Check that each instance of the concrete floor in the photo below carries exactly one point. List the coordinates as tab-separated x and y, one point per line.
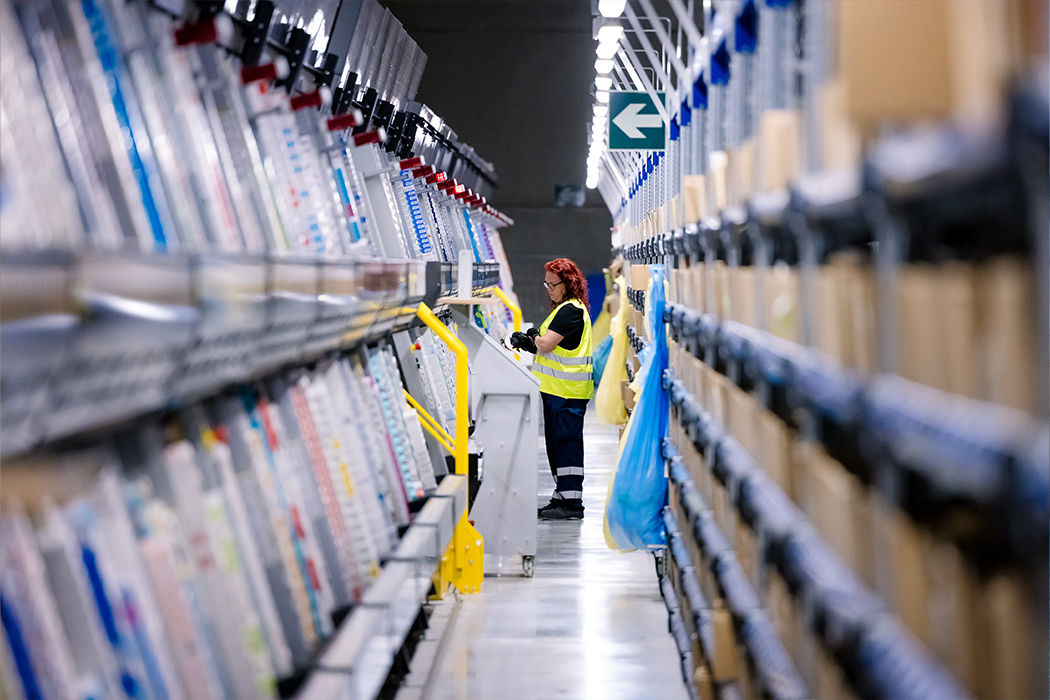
590	624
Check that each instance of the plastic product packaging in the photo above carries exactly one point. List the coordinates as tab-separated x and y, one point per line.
608	398
639	490
601	357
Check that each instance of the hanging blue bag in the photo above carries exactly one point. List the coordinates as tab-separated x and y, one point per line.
639	491
601	356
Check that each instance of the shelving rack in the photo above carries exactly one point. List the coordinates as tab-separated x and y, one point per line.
879	466
219	219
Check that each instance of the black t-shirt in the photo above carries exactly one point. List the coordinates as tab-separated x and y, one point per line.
568	323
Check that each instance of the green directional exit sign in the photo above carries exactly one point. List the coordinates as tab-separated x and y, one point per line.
635	123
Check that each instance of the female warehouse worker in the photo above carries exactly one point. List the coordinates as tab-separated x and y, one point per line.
563	364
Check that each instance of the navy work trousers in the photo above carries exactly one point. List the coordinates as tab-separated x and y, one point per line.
563	432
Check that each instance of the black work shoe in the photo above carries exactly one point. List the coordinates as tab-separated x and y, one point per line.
550	506
554	512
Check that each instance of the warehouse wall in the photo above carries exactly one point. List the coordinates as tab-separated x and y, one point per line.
512	78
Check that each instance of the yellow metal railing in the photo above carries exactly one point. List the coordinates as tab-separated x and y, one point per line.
460	351
431	425
515	311
463	563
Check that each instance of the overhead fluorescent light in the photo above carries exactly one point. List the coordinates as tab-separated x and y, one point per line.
610	34
611	8
607	50
603	66
603	82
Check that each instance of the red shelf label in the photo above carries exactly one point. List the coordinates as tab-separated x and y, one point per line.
369	137
343	121
197	33
267	71
304	100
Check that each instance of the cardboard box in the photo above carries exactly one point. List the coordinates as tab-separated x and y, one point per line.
698	287
718	388
628	395
838	507
1007	334
913	62
801	475
722	509
805	647
717	164
775	453
862	348
742	415
743	286
744	682
909	547
781	285
952	608
920	355
695	198
862	517
1012	661
639	277
723	665
937	332
749	554
708	585
778	602
700	471
703	393
780	149
840	138
831	331
729	285
741	172
957	291
882	548
723	303
702	681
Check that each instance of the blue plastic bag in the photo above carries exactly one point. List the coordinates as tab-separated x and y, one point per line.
639	489
601	356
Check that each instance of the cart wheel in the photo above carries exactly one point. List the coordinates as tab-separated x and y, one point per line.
528	565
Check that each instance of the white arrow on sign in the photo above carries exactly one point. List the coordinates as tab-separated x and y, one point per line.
629	121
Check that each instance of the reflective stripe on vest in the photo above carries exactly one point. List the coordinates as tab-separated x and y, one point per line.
567	376
567	373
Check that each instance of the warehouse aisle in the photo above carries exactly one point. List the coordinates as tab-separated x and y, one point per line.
591	624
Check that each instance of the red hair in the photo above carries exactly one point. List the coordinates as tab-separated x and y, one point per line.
575	284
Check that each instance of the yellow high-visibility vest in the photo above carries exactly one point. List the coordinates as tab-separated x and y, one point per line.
567	373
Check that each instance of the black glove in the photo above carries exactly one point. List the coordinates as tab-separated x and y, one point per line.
521	341
533	333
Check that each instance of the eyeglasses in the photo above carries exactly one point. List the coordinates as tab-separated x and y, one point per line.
550	286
